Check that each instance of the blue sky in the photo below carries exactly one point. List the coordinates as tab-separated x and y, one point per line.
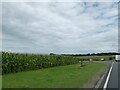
59	27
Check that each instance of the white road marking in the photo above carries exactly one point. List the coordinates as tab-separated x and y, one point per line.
105	85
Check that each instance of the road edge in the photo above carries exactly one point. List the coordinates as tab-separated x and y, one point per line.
101	82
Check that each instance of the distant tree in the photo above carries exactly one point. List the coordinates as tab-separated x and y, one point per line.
88	54
52	54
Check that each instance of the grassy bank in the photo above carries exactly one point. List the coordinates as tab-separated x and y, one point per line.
0	82
70	76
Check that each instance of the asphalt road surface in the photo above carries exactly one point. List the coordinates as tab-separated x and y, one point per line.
113	77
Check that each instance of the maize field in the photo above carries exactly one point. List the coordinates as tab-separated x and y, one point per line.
16	62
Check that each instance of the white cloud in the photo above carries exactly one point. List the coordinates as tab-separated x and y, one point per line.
59	27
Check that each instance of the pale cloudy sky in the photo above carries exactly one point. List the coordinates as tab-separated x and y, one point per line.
60	27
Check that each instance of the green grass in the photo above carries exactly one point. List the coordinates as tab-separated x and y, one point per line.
0	82
70	76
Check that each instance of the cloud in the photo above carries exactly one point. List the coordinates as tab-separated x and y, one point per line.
74	27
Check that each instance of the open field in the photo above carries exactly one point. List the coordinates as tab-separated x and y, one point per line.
48	71
16	62
69	76
98	58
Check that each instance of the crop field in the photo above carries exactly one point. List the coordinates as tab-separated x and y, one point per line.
48	71
16	62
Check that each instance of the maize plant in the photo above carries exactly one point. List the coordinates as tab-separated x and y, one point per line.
16	62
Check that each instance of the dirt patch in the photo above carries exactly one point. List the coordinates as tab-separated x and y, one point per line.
93	81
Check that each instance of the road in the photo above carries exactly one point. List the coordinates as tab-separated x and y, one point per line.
112	79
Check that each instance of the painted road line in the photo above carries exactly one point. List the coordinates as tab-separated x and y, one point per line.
105	85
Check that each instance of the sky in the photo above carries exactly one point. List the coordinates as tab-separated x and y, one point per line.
59	27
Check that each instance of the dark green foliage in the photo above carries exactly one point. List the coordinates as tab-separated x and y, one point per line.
14	62
111	58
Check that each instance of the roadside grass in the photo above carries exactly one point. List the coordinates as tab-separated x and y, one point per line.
0	82
70	76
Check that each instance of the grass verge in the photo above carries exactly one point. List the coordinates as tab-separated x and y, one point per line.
70	76
0	82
